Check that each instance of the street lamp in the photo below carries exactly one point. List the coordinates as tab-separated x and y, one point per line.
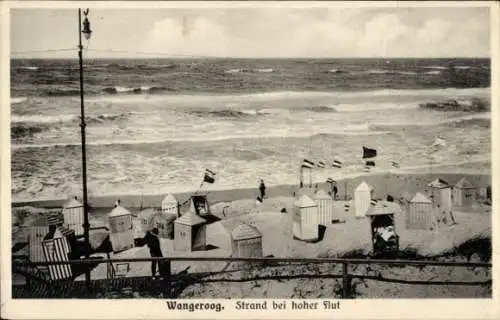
86	226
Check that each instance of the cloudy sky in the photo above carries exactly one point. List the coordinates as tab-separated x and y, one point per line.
258	32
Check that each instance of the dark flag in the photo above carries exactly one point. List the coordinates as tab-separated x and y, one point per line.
330	180
369	153
395	164
209	176
308	164
373	202
321	164
370	163
337	164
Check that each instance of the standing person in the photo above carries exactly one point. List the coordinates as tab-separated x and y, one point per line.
153	243
262	189
335	191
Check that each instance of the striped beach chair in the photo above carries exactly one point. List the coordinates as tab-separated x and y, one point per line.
56	247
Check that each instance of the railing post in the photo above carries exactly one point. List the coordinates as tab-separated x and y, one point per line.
346	282
166	274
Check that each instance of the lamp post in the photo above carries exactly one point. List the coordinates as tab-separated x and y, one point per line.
86	226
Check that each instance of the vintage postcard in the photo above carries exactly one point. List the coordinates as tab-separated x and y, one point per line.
249	159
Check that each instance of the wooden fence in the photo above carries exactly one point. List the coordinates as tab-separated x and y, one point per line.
64	289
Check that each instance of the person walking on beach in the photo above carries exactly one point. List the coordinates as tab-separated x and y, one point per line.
153	243
262	189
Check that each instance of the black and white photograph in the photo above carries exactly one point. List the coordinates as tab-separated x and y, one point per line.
323	153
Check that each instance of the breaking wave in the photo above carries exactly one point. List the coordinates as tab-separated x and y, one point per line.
318	109
379	71
265	70
227	113
42	119
16	100
232	71
435	67
29	68
482	120
351	130
25	119
142	89
337	71
24	130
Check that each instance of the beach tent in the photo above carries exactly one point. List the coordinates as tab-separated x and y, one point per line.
73	215
144	218
38	231
464	193
170	205
441	194
420	213
246	241
362	198
189	232
55	219
164	221
383	227
121	228
325	207
56	249
199	205
305	219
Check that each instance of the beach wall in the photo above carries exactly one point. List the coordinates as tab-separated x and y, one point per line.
393	184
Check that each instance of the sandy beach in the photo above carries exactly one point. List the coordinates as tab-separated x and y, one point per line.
273	218
386	183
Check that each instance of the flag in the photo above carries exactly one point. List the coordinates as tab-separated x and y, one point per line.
330	180
395	164
209	176
373	202
366	169
308	164
337	164
370	164
321	164
369	153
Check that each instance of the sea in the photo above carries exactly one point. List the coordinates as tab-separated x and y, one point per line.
155	125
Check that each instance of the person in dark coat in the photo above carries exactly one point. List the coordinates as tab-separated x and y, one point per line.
262	189
153	243
335	191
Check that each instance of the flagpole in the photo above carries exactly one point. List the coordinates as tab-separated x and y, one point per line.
345	188
310	178
430	178
301	176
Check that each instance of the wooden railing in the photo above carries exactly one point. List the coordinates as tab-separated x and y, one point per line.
345	275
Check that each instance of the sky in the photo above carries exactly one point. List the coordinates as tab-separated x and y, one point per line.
256	32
